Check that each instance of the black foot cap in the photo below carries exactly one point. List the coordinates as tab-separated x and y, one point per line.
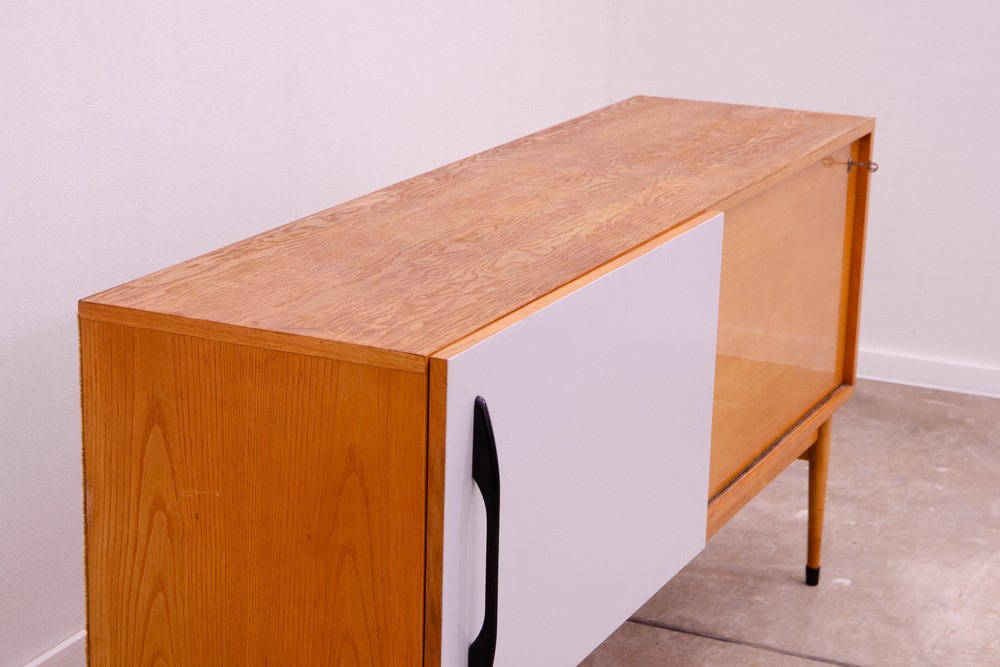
812	576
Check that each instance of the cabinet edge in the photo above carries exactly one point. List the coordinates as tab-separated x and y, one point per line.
437	404
857	215
272	340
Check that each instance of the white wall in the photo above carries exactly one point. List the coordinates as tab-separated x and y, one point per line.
930	73
135	135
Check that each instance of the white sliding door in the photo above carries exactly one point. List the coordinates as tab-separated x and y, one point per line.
601	407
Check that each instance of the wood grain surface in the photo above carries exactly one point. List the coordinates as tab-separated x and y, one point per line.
246	506
819	466
857	207
271	340
527	309
437	411
782	311
420	264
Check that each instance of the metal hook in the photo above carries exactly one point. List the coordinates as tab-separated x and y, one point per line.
871	165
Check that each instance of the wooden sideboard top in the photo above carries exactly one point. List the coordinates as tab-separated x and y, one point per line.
393	276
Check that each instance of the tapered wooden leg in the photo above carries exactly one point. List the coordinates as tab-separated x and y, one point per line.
819	460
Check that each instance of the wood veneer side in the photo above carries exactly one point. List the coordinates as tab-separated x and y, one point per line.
843	343
859	224
775	459
271	340
248	505
437	406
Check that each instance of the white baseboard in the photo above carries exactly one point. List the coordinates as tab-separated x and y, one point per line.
69	653
930	373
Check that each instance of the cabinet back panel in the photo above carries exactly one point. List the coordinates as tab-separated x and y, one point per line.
248	506
781	313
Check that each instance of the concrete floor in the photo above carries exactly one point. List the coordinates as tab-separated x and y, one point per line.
911	554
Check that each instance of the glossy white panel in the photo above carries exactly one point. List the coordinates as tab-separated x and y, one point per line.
602	409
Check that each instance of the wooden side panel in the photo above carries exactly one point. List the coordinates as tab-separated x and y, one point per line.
437	370
857	211
249	506
786	253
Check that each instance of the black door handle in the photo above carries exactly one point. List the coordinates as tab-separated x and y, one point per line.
486	473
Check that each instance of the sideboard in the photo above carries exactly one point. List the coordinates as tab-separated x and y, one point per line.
479	416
